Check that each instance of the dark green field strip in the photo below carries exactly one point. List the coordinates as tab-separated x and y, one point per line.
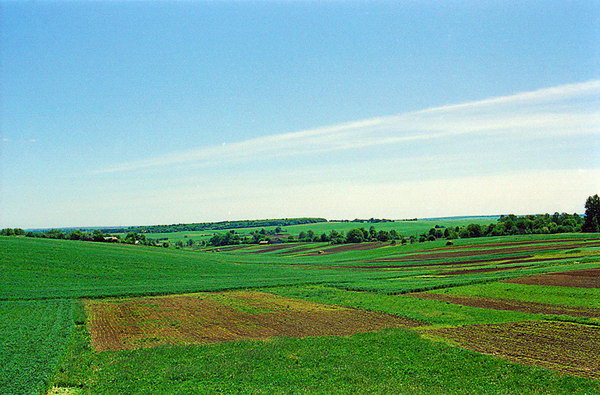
392	361
33	337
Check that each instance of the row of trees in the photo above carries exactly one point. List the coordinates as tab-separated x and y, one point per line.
505	226
202	226
511	225
95	235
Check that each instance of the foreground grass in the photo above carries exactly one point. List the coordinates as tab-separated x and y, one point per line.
378	362
33	336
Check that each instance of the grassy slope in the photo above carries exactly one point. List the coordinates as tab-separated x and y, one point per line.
43	268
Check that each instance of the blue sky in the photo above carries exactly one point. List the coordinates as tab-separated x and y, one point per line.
117	113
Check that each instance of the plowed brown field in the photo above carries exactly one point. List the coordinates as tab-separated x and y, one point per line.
585	278
560	346
206	318
507	304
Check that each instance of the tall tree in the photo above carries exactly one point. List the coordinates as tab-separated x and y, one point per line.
592	214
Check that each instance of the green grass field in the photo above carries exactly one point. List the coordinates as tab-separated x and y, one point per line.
46	341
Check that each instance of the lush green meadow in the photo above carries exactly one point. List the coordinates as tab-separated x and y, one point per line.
46	341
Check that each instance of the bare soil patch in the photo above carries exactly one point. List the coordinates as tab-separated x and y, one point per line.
229	248
271	248
508	304
298	249
585	278
206	318
564	347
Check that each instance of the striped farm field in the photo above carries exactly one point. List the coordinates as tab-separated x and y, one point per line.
84	317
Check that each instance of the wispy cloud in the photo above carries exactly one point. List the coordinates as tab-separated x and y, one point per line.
565	110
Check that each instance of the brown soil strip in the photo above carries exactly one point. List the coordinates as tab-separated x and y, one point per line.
206	318
585	278
507	304
229	248
301	249
271	248
561	346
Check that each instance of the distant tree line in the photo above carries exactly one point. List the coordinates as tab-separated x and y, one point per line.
366	221
95	235
198	227
505	226
510	225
